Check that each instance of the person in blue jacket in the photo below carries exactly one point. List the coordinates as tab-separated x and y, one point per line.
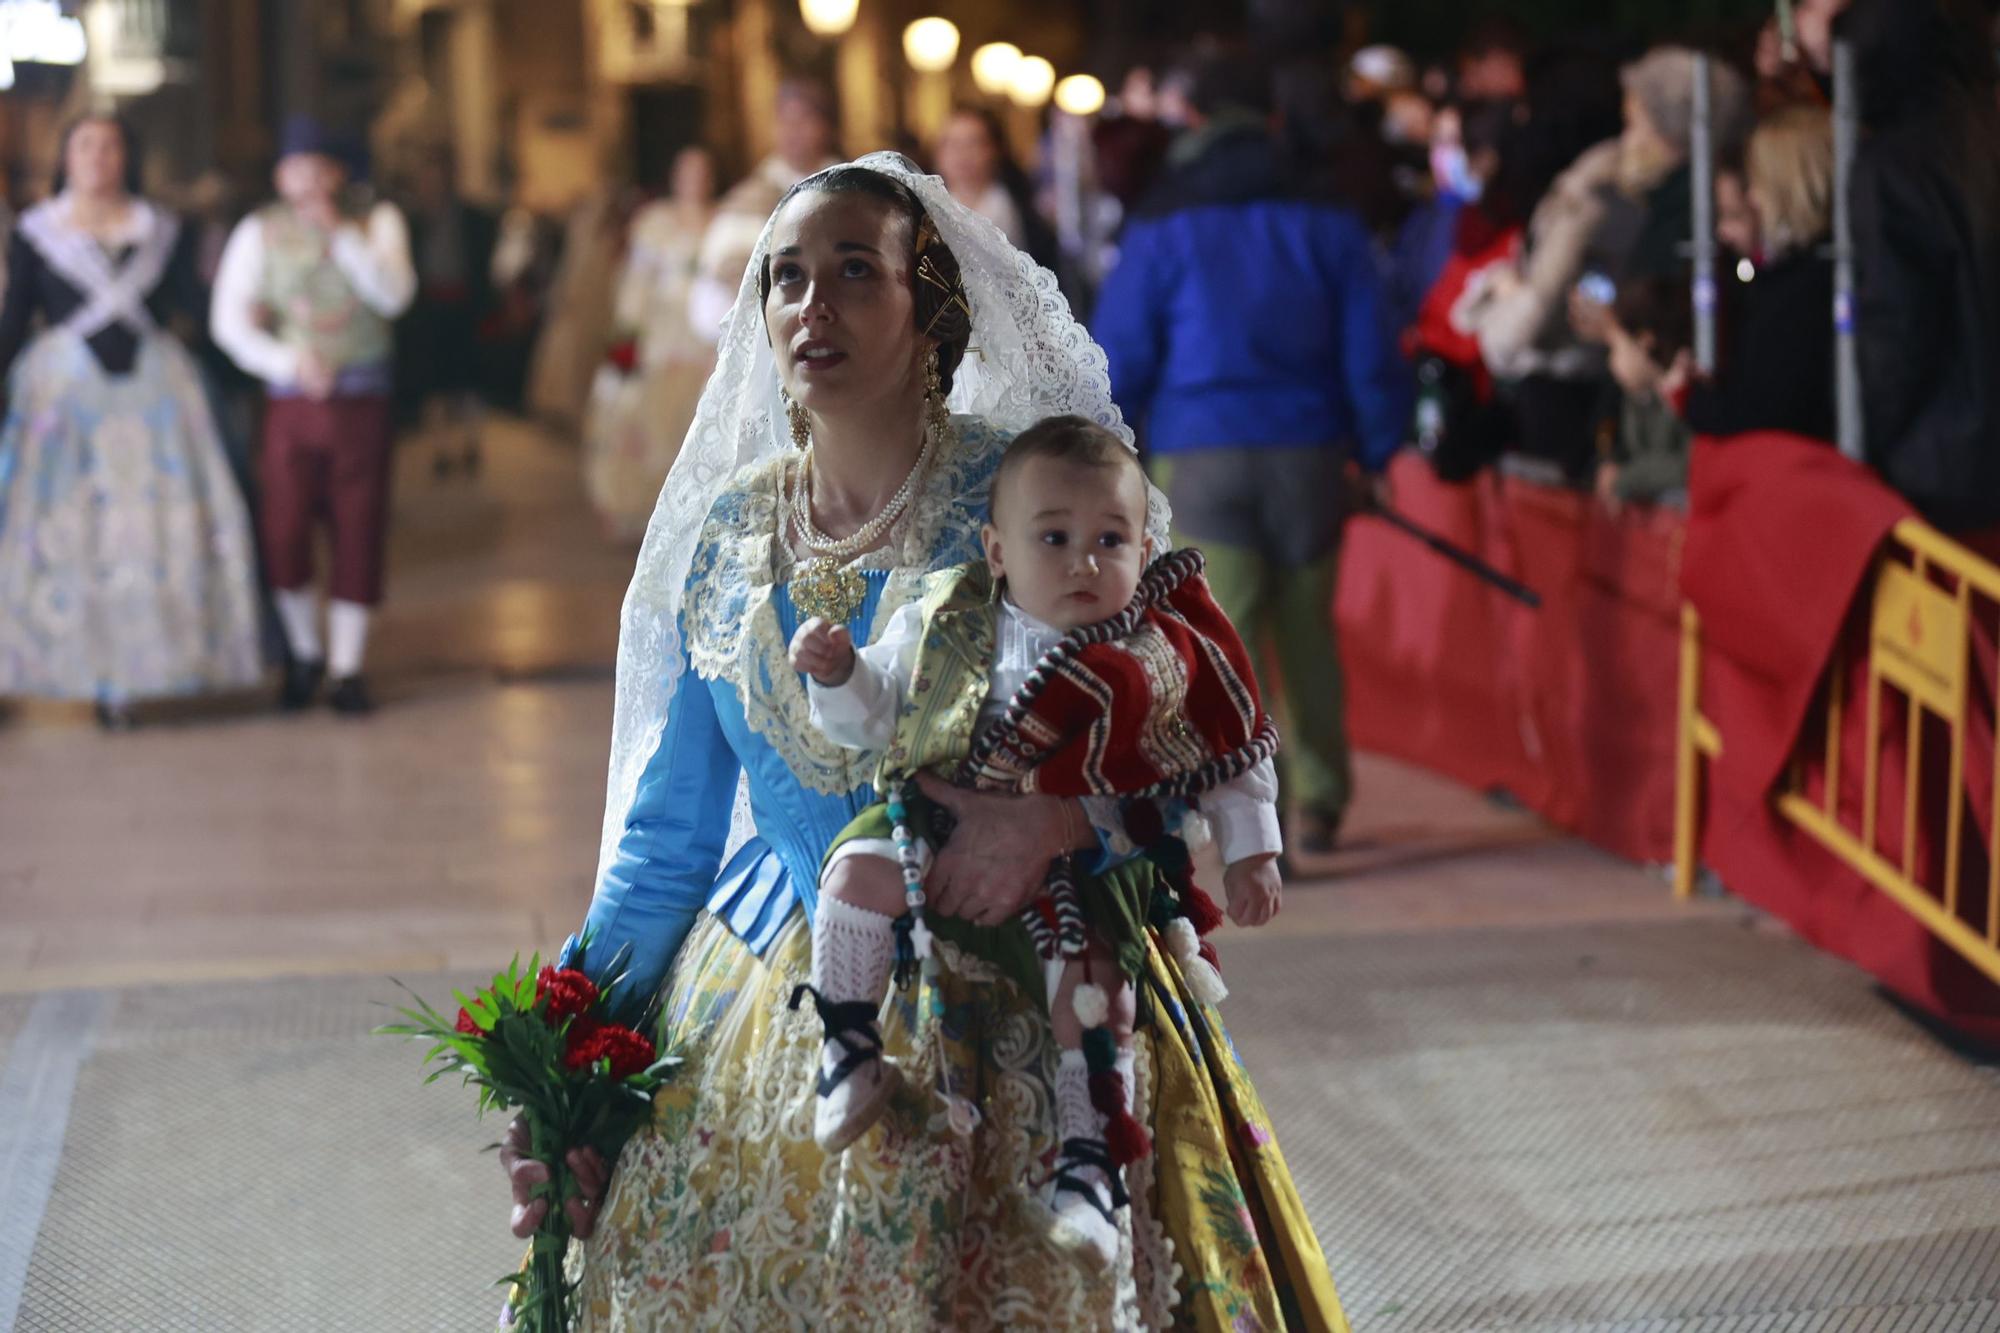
1246	331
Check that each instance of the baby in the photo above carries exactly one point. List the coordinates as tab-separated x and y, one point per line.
1062	664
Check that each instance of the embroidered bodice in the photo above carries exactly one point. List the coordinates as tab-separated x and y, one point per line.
741	713
111	294
313	302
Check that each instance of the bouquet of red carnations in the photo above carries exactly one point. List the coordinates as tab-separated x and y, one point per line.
578	1064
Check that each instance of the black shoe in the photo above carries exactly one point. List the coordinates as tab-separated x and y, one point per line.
350	697
302	681
115	717
1318	832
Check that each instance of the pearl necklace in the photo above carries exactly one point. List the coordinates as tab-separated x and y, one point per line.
868	533
824	586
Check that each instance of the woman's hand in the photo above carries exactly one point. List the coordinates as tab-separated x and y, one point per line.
998	857
525	1175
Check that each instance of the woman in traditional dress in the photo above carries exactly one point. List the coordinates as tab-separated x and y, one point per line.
973	158
125	546
645	392
818	475
578	327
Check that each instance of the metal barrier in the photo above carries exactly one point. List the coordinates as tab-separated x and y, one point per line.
1927	598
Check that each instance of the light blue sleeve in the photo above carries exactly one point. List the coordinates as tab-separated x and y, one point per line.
671	849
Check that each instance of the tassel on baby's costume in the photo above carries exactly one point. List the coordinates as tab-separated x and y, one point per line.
1199	908
1126	1139
1054	920
1203	980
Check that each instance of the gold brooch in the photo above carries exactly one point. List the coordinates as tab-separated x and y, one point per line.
826	588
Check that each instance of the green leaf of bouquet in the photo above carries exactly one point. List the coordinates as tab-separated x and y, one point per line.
480	1006
470	1049
424	1009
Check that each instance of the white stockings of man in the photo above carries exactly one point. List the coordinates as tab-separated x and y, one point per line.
298	611
347	627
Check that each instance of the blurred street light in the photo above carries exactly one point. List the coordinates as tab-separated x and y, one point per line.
38	32
931	45
1080	95
829	18
1034	78
993	67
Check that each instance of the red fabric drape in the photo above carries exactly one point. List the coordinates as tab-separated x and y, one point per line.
1571	708
1782	536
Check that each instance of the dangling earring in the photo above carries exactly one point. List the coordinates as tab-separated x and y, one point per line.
801	424
938	418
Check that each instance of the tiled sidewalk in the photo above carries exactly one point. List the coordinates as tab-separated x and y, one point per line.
1521	1088
1648	1126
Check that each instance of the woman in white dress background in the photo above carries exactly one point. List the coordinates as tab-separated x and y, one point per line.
644	394
126	555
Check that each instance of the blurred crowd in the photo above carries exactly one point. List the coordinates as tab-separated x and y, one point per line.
1295	269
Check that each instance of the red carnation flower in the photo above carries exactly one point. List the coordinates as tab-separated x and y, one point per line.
628	1052
569	993
467	1025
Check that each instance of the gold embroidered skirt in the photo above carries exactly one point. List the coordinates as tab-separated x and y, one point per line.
724	1213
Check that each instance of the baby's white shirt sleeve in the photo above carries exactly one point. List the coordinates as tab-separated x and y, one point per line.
1243	813
860	714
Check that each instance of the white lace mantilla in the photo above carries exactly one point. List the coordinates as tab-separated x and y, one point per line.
1028	359
731	618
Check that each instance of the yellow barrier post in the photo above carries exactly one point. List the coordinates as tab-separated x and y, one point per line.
1919	645
1687	758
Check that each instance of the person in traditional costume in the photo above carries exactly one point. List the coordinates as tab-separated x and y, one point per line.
570	344
439	375
972	156
305	299
802	130
646	390
724	1202
1097	682
127	566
